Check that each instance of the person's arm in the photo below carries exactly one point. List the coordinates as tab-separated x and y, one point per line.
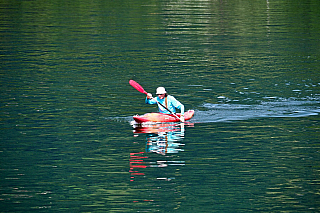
149	99
179	106
182	112
182	109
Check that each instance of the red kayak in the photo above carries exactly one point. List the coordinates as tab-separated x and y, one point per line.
161	117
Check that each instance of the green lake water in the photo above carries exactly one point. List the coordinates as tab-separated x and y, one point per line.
249	69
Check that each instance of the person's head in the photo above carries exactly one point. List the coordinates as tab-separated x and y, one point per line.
161	92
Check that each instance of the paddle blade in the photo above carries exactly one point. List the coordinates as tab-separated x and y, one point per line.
137	86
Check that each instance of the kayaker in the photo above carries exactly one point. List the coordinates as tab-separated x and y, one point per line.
167	100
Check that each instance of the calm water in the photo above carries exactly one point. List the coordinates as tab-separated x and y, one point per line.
250	70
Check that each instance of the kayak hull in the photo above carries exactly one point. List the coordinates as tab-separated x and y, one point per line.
161	117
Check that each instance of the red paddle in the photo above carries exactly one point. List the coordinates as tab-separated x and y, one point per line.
140	89
137	86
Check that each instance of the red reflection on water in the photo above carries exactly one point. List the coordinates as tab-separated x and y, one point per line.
136	163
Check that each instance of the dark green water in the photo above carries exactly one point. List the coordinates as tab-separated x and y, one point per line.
250	70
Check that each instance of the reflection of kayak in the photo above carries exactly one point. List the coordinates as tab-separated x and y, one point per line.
158	128
155	128
161	117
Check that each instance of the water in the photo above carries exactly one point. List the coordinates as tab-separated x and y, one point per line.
249	70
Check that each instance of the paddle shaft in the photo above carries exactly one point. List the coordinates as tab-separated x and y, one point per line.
140	89
166	108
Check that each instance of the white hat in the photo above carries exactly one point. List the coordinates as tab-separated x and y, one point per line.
161	90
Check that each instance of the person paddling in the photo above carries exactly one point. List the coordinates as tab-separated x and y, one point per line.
167	100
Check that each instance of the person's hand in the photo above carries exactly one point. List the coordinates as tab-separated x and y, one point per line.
182	118
149	95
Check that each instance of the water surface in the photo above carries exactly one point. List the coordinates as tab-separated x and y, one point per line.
250	70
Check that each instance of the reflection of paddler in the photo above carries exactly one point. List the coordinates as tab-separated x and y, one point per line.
165	142
162	138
